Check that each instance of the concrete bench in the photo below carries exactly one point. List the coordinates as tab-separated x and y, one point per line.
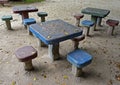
88	24
2	2
26	54
112	23
79	59
7	19
28	22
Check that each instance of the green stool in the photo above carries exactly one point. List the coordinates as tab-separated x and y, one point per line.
7	19
42	15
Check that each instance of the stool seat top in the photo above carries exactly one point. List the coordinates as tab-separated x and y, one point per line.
7	17
111	22
29	21
79	58
87	23
78	16
40	14
26	53
79	38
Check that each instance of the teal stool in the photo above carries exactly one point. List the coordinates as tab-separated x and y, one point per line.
79	59
88	24
28	22
7	19
42	15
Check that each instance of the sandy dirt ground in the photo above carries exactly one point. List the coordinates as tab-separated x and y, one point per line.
105	49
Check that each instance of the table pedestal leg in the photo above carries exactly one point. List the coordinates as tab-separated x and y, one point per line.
53	51
99	20
42	44
24	15
94	19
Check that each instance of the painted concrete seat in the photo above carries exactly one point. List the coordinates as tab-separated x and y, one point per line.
88	24
26	54
28	22
42	15
112	23
76	40
79	59
7	19
78	17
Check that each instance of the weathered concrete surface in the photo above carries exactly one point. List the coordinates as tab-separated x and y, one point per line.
105	49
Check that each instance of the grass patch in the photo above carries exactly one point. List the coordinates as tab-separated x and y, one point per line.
32	1
25	2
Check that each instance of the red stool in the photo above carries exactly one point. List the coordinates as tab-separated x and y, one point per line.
78	17
112	23
26	54
76	40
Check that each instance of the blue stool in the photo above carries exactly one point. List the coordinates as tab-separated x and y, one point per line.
7	19
42	15
28	22
88	24
79	59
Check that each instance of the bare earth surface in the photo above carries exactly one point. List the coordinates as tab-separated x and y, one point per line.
105	49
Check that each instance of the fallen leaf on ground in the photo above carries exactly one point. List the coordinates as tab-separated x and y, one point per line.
65	77
63	84
13	82
110	82
35	79
117	77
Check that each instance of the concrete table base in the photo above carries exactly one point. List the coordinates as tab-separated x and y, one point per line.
94	19
42	44
53	51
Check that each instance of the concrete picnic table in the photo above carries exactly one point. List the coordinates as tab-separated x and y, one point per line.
52	32
96	14
23	10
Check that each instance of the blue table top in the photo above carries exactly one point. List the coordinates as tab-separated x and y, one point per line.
54	31
96	12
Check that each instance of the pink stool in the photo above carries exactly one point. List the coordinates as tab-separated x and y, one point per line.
78	17
112	23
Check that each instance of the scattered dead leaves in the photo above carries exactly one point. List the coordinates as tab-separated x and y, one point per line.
117	77
13	82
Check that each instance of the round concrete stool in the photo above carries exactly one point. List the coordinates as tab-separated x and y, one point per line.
88	24
26	54
76	40
7	19
42	15
78	17
112	23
